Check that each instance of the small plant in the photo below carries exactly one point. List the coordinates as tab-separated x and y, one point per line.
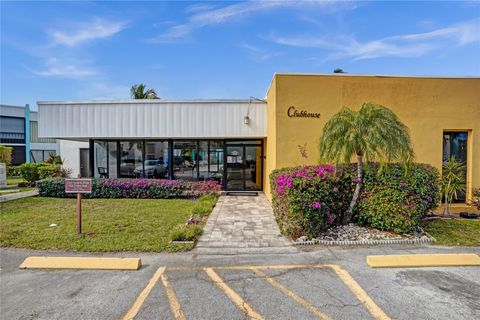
190	232
453	181
476	198
6	155
54	159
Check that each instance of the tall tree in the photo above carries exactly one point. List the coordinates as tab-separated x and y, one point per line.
373	132
138	91
338	70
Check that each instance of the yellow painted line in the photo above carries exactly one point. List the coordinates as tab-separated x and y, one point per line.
361	295
81	263
424	260
132	312
273	267
292	295
241	304
172	298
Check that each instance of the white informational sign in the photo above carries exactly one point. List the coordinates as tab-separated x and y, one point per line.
3	175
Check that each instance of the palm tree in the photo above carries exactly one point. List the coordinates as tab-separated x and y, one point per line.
453	181
139	92
373	132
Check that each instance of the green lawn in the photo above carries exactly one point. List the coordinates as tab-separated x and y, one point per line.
454	232
22	189
108	224
15	180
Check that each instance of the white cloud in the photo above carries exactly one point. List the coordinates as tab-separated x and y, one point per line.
56	68
407	45
86	32
205	16
258	54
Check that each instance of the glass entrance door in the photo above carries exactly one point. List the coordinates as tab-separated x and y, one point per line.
244	167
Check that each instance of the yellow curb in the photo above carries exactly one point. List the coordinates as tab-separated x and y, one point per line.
424	260
81	263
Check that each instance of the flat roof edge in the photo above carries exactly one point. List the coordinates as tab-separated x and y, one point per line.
373	75
152	101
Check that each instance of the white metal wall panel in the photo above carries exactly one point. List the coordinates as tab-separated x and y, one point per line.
141	119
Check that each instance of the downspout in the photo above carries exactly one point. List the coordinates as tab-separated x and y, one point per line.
27	133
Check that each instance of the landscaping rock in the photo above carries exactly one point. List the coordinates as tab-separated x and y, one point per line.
353	234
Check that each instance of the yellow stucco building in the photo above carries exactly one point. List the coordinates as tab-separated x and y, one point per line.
239	142
443	115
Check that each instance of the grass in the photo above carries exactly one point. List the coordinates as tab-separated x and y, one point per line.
15	180
108	224
22	189
454	232
194	228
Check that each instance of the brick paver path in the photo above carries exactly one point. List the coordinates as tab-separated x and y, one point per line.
242	224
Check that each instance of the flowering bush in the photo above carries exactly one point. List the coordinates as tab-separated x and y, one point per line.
133	188
308	199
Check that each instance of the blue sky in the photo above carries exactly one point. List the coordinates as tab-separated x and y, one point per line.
70	50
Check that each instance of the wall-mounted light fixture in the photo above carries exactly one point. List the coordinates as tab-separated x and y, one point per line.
246	120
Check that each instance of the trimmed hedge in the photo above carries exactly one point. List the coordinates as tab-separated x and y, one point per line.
133	188
308	199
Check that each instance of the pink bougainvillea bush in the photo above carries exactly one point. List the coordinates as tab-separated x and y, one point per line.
308	199
134	188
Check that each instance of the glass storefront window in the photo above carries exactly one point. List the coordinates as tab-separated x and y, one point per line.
112	159
131	159
185	160
156	159
210	156
100	159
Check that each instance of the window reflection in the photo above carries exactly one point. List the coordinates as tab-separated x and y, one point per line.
185	160
131	159
211	160
100	159
156	159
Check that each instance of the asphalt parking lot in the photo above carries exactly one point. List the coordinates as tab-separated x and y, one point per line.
325	283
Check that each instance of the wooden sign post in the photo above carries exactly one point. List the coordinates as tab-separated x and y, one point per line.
78	186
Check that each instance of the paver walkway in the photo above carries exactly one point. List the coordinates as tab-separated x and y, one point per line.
243	224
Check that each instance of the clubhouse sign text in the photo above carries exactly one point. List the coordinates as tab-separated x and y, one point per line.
292	112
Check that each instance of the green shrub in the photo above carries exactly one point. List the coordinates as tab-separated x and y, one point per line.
308	199
189	232
5	154
133	188
397	201
29	172
32	171
13	171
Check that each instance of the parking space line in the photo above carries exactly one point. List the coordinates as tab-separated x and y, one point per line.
132	312
241	304
274	267
361	295
172	298
292	295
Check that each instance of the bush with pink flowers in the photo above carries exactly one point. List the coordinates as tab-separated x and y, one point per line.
134	188
308	199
